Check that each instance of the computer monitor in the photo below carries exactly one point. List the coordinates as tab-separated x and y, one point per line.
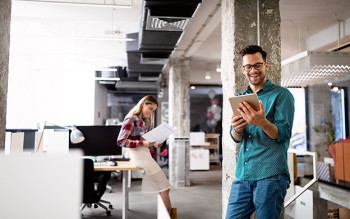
99	141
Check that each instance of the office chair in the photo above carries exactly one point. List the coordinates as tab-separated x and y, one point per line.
164	156
116	174
92	193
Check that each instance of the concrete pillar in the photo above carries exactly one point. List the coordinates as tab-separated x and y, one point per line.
5	18
244	22
179	118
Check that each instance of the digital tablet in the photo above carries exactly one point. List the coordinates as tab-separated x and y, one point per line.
252	99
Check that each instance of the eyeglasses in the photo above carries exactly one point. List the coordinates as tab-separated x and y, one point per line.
257	66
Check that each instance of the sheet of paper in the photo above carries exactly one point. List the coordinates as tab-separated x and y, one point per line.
159	134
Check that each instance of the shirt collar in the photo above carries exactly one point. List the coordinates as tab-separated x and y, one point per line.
266	86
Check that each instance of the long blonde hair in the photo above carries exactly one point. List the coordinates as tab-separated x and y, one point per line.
137	109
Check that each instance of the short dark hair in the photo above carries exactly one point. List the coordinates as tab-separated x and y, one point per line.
252	49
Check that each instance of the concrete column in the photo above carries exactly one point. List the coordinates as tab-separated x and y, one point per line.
179	118
5	18
244	22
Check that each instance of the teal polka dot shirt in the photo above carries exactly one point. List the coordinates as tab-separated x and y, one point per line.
260	156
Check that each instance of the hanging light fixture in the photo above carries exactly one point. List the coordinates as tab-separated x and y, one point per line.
311	67
114	33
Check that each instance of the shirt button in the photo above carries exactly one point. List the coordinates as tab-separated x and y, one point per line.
249	136
245	162
247	149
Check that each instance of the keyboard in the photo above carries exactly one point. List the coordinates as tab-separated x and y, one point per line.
103	163
117	159
120	159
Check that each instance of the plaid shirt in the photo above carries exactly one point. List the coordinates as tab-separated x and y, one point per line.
131	131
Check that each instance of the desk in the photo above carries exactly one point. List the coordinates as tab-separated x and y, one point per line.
124	166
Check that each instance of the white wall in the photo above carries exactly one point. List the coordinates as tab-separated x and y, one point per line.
53	91
51	72
327	36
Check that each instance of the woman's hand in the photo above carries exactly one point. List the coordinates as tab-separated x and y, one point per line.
149	144
158	145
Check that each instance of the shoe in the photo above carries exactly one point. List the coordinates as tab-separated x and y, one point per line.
173	213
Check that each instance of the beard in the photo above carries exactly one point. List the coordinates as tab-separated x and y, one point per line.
256	79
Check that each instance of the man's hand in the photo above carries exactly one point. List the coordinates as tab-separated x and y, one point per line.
258	118
251	116
238	123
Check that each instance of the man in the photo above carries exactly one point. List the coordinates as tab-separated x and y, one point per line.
262	170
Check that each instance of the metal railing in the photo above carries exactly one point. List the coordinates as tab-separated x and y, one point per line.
309	184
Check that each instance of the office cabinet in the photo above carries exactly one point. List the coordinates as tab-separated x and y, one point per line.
199	159
204	150
214	147
199	154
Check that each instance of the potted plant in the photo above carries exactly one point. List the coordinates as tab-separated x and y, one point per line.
327	133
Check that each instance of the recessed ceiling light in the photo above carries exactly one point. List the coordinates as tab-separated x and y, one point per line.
218	68
207	76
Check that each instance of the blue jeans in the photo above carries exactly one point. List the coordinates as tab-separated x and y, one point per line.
264	196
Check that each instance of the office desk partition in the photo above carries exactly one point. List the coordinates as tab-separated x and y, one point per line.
28	181
126	167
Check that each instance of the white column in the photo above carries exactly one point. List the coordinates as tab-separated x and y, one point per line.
179	118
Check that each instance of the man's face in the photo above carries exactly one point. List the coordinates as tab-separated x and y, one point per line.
254	68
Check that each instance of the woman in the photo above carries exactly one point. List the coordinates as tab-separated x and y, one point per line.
137	122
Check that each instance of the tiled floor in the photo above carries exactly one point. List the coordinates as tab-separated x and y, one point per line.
201	200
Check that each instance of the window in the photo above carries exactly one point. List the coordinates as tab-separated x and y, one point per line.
298	140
